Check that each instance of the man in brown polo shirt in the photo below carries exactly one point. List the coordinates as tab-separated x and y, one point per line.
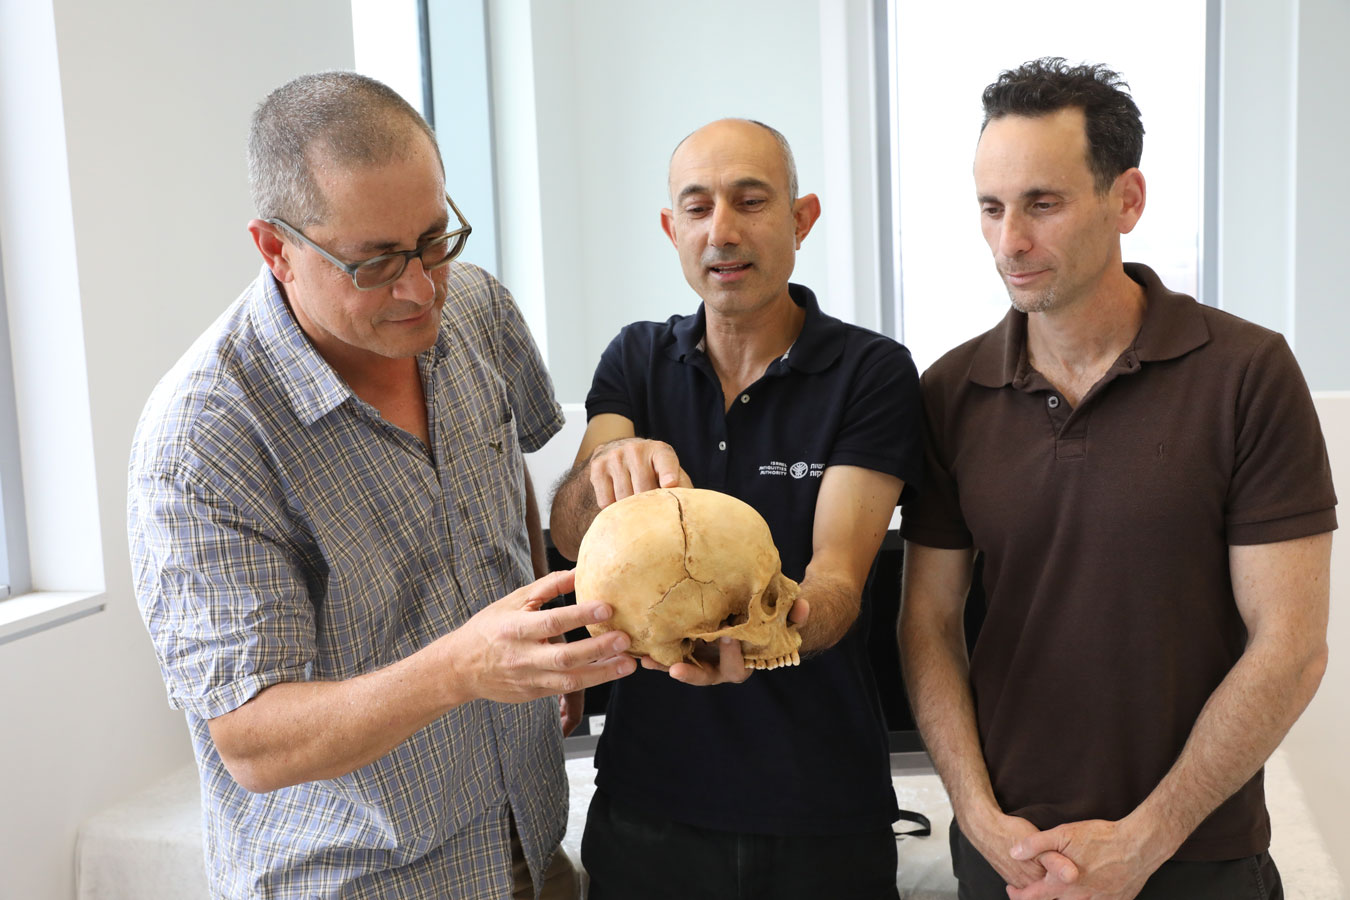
1147	481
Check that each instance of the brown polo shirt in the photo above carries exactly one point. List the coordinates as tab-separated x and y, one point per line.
1105	532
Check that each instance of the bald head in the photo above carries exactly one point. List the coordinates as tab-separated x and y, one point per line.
749	134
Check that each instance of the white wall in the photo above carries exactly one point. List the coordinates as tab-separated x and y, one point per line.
157	97
1322	308
1283	131
615	85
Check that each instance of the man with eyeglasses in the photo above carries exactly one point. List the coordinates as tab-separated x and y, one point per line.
334	534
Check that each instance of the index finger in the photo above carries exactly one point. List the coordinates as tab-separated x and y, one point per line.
666	465
549	587
548	623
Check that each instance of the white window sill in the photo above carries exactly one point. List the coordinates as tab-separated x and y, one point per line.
30	613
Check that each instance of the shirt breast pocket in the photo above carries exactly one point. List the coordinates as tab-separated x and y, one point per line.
491	475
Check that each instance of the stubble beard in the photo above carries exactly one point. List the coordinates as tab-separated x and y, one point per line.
1039	302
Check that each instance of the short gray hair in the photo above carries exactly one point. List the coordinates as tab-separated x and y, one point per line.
343	118
789	162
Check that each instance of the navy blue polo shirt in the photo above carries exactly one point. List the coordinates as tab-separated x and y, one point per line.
796	750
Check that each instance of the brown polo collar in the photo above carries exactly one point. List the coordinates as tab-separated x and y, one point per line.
1173	326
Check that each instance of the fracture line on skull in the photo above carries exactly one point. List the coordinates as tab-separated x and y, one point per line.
684	558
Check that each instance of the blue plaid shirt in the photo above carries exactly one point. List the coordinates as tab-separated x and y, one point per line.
281	530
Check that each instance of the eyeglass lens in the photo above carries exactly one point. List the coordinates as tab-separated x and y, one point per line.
384	270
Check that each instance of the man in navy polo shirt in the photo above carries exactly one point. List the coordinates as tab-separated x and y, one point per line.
711	781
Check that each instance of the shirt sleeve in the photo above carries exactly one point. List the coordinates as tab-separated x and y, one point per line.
528	384
225	603
882	426
1281	486
610	390
934	518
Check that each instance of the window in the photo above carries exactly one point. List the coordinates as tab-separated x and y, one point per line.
13	546
940	62
435	56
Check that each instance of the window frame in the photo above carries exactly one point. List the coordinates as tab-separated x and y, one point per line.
14	570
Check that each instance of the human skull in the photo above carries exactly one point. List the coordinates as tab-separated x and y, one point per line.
680	565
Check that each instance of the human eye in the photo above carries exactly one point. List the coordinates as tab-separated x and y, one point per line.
436	252
379	270
991	210
695	209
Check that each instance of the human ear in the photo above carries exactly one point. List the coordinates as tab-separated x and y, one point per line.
273	249
668	225
1133	193
805	212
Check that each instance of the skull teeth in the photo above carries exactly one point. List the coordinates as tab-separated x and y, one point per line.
792	659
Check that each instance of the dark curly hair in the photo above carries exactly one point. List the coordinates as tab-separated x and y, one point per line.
1115	134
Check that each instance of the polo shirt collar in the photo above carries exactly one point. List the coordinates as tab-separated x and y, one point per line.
1173	326
817	346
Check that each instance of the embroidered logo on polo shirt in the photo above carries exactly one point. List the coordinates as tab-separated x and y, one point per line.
797	470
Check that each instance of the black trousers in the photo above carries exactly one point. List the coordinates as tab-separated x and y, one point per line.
633	856
1250	878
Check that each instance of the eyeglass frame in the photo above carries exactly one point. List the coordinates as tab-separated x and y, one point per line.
462	233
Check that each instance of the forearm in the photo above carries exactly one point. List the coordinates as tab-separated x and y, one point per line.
1242	723
834	605
294	732
937	678
574	508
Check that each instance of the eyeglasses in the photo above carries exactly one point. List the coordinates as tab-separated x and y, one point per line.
387	268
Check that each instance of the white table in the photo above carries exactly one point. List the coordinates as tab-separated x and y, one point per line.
149	847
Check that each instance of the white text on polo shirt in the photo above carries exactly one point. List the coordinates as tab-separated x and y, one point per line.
796	470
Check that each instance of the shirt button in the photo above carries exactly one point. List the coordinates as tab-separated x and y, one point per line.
745	398
721	445
1052	402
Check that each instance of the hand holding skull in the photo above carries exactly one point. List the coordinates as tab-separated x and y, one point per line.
506	655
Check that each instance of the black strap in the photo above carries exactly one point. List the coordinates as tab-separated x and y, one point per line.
925	827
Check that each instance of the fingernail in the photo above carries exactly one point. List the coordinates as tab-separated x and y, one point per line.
727	640
1016	851
601	613
622	642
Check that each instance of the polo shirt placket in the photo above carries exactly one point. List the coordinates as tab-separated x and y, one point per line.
1069	424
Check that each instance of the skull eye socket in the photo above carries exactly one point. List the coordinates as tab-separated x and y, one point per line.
770	598
734	619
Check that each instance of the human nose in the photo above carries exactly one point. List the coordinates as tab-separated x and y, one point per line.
1014	235
415	283
724	228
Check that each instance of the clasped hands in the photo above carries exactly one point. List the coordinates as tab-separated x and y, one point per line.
1088	860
